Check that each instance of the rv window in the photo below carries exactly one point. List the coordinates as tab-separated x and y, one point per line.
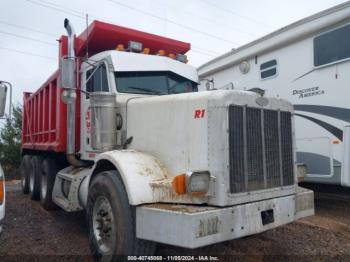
98	82
268	69
332	46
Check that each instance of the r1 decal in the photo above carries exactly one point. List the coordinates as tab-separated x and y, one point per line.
199	113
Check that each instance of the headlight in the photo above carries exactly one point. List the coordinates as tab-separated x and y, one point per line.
198	183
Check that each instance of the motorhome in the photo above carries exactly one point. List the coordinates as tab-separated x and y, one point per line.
307	63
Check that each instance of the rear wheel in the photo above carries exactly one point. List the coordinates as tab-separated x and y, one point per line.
25	172
48	174
111	220
34	177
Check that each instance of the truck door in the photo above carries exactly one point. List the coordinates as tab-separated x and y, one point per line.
94	79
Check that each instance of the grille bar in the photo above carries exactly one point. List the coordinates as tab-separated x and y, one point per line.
287	148
280	147
272	148
260	149
263	146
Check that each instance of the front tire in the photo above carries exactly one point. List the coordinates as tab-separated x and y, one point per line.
34	177
111	220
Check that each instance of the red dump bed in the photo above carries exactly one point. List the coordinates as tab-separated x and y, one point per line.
44	116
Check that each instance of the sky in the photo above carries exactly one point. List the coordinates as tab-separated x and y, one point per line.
29	28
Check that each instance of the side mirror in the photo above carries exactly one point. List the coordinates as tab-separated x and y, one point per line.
3	96
67	72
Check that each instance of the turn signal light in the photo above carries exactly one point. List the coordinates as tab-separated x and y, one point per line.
179	184
2	191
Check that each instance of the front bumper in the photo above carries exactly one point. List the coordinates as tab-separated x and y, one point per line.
195	226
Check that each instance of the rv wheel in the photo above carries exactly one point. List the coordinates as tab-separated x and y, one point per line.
34	177
111	220
24	170
47	181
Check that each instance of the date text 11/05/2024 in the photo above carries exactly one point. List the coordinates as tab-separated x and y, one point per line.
173	258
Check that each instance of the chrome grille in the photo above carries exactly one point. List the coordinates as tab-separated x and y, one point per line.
260	149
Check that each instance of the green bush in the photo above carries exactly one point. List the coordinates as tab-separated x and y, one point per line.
10	143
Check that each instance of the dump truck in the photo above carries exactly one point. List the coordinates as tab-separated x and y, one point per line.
121	131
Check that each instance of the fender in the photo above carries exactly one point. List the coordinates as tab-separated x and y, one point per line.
145	178
138	170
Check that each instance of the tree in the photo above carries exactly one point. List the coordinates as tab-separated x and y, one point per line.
10	141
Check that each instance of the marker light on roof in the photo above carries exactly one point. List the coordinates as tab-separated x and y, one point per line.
120	47
161	52
135	46
172	56
146	51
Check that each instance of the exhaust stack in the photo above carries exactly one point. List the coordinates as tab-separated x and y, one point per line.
69	96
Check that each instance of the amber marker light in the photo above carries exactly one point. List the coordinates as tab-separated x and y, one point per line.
179	184
172	56
161	53
146	51
120	47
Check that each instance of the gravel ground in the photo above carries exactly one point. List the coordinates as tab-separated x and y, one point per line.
33	234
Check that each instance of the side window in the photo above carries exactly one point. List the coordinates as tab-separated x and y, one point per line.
268	69
332	46
98	81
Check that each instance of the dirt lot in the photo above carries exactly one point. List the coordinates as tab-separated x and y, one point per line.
30	233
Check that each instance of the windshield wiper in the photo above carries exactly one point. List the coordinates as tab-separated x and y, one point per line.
145	90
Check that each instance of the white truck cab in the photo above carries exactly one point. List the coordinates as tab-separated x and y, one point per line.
199	167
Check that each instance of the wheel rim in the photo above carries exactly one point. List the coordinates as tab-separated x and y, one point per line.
103	225
43	185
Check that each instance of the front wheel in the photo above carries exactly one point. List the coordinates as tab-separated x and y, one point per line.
111	220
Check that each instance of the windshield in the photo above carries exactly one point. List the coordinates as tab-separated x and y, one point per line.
159	83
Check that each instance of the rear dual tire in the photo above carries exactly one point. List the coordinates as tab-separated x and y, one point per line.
48	173
34	177
25	172
38	178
